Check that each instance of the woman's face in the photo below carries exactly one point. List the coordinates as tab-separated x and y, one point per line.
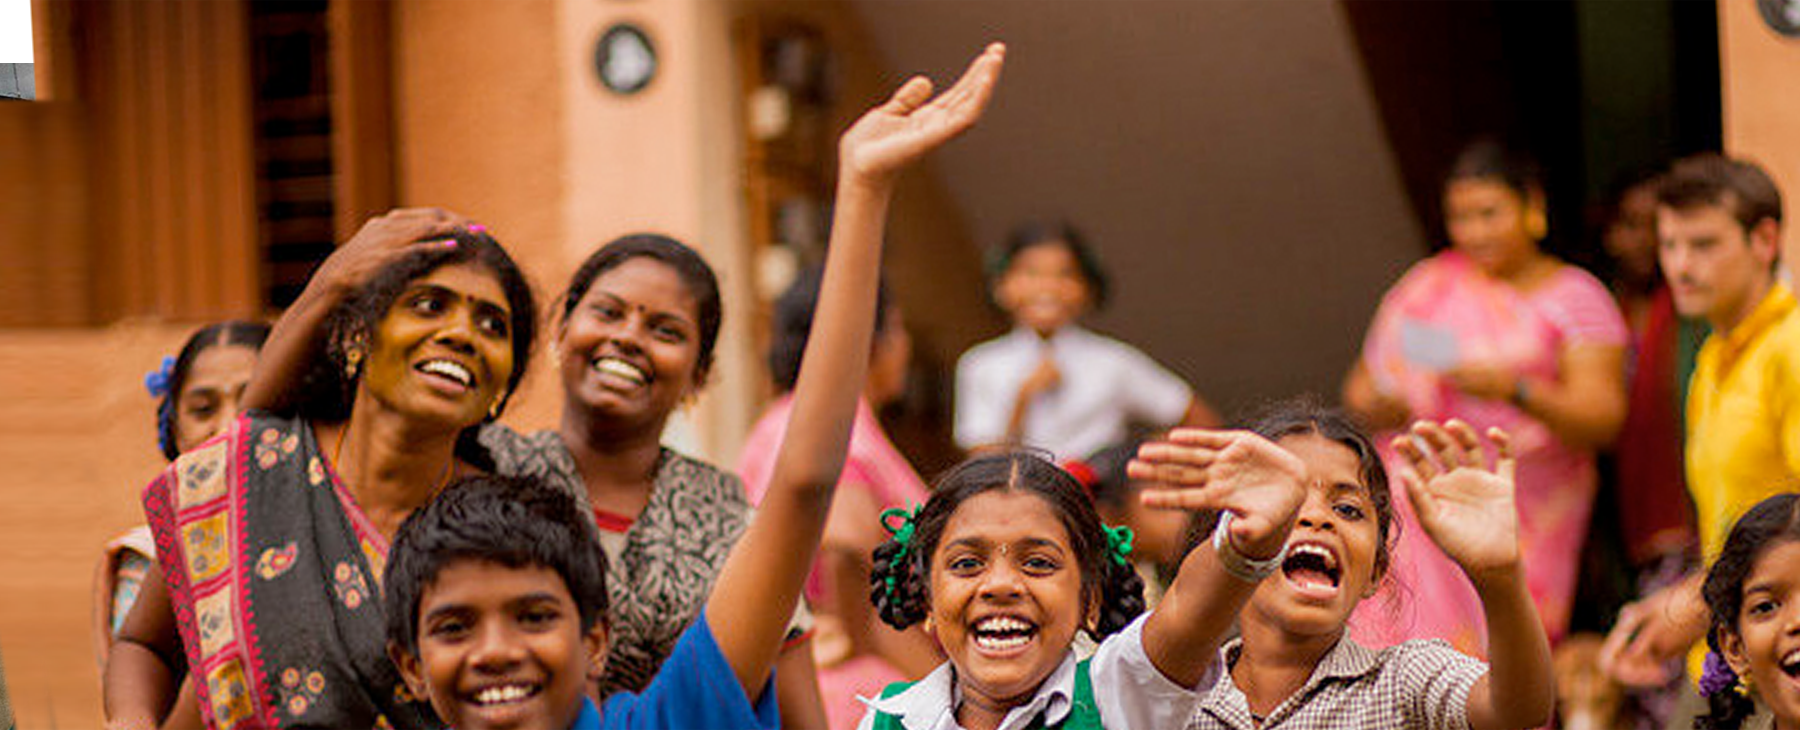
630	349
1491	223
1331	552
1043	288
209	398
1006	595
1765	648
443	351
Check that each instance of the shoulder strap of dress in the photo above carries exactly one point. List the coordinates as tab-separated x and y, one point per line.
1083	714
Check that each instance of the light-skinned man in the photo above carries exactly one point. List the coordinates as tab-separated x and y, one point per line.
1718	226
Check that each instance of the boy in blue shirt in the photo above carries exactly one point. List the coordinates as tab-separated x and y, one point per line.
495	590
498	602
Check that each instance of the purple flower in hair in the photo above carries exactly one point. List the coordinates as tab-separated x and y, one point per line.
1717	676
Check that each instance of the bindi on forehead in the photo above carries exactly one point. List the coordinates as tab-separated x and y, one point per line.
452	293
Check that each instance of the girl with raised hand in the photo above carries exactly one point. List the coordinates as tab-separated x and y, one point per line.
1753	594
1009	560
1294	666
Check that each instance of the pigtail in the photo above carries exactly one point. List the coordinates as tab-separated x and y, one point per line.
1121	597
1726	710
896	587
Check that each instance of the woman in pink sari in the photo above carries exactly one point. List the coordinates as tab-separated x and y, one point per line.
1494	332
856	654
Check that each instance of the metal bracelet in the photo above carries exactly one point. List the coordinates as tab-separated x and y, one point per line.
1239	565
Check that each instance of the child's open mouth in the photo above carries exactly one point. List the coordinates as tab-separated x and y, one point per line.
1001	634
1790	664
1313	570
504	694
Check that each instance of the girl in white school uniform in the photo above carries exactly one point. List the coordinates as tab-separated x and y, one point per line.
1008	561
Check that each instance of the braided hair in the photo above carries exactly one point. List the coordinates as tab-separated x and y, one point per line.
900	580
1771	522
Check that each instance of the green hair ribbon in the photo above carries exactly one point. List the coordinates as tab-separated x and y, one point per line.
1118	543
903	536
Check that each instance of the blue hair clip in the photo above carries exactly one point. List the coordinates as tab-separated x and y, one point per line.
157	381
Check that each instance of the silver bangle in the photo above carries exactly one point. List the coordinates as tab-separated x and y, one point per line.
1239	565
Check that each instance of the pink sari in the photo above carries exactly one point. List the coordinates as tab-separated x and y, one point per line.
1442	313
873	465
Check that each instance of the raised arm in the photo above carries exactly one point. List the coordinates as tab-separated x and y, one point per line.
1467	509
761	581
298	336
1262	486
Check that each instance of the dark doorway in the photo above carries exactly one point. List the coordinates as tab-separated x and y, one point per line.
1596	89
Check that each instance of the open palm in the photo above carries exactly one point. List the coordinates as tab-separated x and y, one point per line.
1464	505
1261	483
891	136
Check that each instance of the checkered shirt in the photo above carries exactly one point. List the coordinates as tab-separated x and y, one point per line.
1416	684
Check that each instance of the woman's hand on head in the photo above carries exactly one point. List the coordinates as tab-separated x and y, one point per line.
912	122
383	239
1464	501
1262	484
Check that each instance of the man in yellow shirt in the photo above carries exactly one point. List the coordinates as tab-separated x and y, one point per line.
1719	230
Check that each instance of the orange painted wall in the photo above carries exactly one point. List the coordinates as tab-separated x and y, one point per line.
497	115
1760	77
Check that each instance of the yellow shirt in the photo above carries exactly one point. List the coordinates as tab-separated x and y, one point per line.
1743	422
1743	417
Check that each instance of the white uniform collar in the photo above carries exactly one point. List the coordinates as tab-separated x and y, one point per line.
930	704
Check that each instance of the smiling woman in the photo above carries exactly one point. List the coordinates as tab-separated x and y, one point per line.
271	540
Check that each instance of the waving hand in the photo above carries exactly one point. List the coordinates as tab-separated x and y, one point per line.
1464	505
912	122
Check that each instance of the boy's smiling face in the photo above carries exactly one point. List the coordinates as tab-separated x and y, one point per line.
501	647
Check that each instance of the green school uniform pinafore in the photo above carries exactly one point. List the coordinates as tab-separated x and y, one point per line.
1083	713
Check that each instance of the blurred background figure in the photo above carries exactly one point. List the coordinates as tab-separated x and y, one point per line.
1159	536
856	653
1655	520
1494	332
198	393
1049	383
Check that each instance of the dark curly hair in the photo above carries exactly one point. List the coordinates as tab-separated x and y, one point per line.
687	263
1771	522
327	393
515	522
1114	588
218	334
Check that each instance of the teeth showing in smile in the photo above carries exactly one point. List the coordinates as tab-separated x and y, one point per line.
620	368
1000	633
1311	563
504	693
452	370
1790	664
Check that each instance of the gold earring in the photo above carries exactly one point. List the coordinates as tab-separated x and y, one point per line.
352	362
494	408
